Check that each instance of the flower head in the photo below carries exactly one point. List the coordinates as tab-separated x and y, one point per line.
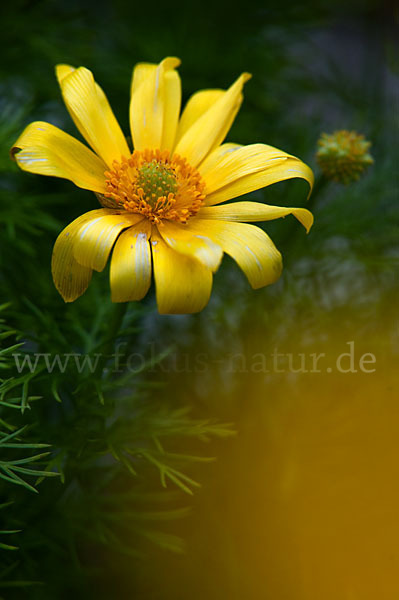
343	155
164	204
157	185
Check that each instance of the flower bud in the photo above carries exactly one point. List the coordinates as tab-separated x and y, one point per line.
343	155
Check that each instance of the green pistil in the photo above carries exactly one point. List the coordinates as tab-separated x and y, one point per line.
156	179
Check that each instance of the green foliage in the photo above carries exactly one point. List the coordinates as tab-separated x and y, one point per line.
109	439
12	469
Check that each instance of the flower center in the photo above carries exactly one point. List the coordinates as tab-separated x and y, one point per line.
156	180
156	184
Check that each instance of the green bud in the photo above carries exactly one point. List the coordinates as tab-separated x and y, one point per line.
343	155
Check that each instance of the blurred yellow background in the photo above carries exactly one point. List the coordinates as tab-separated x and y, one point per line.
303	503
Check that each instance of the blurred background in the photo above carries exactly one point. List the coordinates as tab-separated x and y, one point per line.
301	501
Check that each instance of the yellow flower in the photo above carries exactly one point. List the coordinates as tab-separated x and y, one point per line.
162	204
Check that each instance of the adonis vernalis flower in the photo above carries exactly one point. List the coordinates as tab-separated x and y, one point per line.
163	206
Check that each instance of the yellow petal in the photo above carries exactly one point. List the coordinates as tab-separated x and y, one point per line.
255	211
95	239
210	129
183	284
172	104
196	106
250	247
61	71
70	278
192	244
44	149
214	158
281	171
223	166
130	273
91	113
155	104
141	72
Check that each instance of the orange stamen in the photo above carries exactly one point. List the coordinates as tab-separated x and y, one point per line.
157	185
